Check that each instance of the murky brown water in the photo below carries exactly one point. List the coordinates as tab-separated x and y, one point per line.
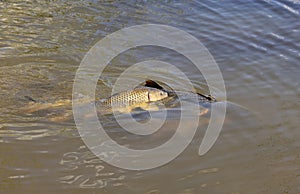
256	46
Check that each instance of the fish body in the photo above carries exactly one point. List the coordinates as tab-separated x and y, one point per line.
128	100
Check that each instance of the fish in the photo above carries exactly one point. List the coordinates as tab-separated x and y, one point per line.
122	102
141	97
128	100
203	98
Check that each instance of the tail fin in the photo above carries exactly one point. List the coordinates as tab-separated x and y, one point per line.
208	97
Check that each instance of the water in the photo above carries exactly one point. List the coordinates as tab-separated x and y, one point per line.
256	45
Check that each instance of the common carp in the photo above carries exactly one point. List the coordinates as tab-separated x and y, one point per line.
137	95
126	101
123	102
139	98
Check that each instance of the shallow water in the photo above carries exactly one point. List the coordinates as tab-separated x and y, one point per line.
256	45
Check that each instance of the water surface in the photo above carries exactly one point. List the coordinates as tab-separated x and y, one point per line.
255	43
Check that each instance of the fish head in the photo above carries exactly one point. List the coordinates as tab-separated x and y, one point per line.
156	94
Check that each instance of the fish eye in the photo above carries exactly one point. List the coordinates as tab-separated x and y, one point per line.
161	93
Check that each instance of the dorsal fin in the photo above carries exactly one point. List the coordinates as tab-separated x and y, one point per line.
153	84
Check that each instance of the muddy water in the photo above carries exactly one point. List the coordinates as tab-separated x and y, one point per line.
256	45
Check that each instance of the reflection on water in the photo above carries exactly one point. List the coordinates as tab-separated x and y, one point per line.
255	44
97	176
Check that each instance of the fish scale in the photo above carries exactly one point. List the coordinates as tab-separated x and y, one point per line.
127	100
128	97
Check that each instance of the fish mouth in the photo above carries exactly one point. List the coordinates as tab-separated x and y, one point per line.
170	93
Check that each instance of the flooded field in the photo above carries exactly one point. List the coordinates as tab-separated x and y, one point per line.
256	45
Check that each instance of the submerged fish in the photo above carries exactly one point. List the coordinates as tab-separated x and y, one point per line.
203	98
